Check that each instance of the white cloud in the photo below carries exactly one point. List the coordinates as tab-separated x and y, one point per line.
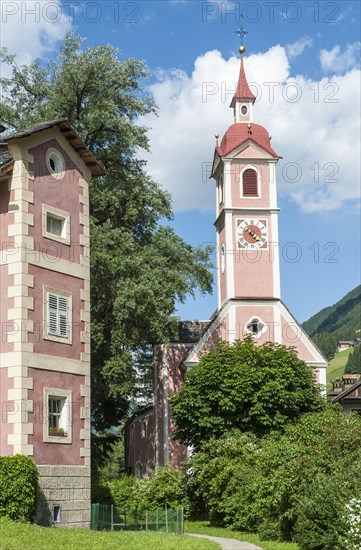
336	61
314	125
298	47
31	28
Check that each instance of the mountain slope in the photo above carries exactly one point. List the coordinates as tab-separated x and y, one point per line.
341	321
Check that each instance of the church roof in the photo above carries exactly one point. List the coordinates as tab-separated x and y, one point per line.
239	133
243	91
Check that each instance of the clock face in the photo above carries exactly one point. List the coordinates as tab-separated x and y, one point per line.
252	234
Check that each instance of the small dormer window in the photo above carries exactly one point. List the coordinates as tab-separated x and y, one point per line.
55	163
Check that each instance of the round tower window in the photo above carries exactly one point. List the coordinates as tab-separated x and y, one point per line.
55	163
244	110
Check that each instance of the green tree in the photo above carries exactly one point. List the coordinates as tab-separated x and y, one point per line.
353	365
243	386
139	268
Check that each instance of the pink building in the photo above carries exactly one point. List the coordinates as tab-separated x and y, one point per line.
248	277
45	313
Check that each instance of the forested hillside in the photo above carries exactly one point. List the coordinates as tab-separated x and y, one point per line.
341	321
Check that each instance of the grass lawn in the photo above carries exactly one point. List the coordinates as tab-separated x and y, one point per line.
203	528
336	368
23	536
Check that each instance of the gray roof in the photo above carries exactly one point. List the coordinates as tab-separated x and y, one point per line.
70	135
5	157
347	392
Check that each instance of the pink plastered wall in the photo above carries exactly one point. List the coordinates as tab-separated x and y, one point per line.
263	200
175	356
253	269
55	453
58	281
291	337
245	313
7	409
138	448
62	194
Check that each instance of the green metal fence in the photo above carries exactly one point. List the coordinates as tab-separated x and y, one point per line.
107	517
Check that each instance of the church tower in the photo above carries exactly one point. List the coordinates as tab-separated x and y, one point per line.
248	277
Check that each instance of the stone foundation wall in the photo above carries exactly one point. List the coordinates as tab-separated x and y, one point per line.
67	487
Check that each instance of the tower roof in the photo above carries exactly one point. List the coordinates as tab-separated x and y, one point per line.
243	91
237	134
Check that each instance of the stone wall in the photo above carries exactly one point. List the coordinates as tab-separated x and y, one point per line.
67	487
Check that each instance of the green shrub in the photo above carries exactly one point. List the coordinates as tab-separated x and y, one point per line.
18	483
165	488
269	486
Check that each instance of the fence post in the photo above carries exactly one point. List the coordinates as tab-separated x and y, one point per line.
146	520
182	524
157	522
111	518
166	519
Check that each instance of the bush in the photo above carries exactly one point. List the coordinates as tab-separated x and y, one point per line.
165	488
281	486
18	484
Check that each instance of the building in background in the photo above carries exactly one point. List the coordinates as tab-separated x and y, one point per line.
248	277
45	313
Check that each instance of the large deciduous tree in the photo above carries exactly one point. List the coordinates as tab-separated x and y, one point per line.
243	386
139	267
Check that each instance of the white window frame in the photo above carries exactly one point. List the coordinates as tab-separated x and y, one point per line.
65	416
54	154
56	337
259	181
60	215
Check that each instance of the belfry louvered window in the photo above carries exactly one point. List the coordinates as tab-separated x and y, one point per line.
58	313
54	225
249	183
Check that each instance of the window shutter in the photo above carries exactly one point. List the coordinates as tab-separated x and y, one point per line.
63	316
250	183
54	225
58	315
52	313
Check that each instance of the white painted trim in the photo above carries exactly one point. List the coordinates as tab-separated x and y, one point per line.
259	182
66	419
259	320
272	184
227	185
52	152
232	329
46	336
61	214
277	327
275	255
230	254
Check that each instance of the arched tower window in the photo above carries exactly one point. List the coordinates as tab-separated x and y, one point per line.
249	183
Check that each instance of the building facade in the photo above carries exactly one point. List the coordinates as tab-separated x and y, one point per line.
248	277
45	314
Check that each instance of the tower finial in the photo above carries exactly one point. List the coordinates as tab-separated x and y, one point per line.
242	33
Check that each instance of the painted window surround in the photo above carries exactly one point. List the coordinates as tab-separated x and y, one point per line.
65	416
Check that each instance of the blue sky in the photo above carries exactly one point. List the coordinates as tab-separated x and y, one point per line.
308	50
